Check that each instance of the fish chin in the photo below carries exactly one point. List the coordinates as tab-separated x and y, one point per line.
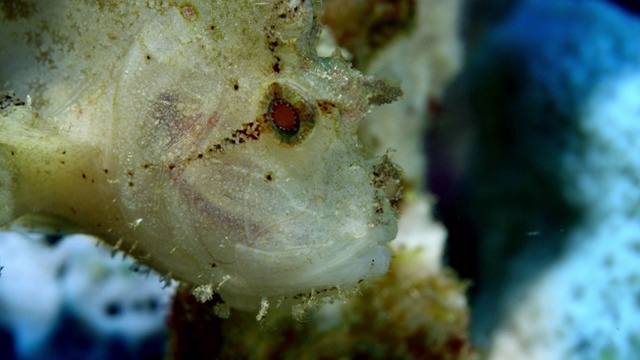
320	250
303	236
288	275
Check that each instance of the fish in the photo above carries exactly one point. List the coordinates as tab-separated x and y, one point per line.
207	139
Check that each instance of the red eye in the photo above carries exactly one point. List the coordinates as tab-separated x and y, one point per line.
288	113
284	116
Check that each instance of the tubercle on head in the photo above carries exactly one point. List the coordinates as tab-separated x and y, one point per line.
352	92
381	91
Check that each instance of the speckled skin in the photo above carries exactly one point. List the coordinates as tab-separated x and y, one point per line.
145	123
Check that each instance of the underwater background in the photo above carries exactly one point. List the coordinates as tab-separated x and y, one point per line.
534	165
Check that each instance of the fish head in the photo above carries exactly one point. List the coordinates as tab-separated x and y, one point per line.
244	144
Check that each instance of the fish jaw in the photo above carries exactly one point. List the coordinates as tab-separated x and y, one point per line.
276	221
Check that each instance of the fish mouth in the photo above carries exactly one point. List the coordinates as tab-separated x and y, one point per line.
288	275
318	248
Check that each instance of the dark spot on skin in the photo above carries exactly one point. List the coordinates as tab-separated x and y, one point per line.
84	176
146	166
130	183
314	292
268	177
325	106
212	27
276	67
130	173
249	131
106	171
62	162
272	41
64	152
236	87
213	265
12	153
171	166
282	16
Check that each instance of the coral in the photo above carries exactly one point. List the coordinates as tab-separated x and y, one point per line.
21	282
585	305
65	297
555	182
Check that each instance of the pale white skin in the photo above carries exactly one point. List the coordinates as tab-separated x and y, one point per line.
149	128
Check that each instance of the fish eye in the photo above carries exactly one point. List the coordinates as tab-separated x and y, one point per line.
283	116
288	113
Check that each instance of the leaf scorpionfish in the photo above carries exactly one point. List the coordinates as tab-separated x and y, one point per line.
205	138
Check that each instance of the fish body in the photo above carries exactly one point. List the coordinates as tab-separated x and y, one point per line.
205	138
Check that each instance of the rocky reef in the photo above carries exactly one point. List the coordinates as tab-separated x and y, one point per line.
554	188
